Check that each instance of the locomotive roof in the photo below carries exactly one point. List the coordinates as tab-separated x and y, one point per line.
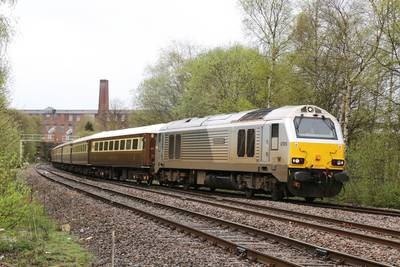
249	115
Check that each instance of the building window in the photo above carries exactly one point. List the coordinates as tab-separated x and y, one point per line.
70	117
78	118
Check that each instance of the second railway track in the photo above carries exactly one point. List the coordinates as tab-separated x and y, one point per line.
254	243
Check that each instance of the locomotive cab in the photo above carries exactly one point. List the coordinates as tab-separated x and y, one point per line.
316	158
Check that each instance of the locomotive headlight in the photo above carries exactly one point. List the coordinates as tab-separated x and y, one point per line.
297	161
338	162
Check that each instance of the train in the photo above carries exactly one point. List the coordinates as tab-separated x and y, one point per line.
290	151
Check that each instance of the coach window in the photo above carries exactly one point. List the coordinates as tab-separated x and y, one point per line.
122	145
241	143
116	144
129	144
250	142
101	146
111	145
96	146
177	146
106	146
141	143
135	144
171	145
275	136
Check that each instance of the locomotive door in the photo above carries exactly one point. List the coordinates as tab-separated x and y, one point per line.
265	144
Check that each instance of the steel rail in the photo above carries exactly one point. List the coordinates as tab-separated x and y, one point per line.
370	210
380	230
343	257
244	251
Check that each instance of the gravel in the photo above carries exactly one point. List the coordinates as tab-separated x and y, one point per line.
341	243
355	247
138	241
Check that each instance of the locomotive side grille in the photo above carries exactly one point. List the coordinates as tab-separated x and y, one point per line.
203	145
166	145
257	150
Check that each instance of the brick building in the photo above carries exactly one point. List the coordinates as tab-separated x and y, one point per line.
61	125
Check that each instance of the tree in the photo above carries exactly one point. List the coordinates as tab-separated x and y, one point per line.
335	49
86	126
162	88
115	118
223	80
89	127
269	22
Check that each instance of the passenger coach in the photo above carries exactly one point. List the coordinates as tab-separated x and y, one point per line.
122	154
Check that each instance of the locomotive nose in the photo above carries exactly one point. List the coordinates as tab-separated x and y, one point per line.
318	156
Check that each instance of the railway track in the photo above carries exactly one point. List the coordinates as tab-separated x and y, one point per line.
255	244
318	204
369	210
363	230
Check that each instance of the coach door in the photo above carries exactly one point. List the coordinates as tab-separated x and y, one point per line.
160	147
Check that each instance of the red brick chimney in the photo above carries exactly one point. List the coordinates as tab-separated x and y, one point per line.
103	97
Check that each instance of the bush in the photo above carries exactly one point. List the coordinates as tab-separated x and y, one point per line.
373	165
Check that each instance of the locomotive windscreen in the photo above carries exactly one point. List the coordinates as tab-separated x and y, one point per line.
320	128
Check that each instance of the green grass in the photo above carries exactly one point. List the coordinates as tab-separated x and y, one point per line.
27	236
58	249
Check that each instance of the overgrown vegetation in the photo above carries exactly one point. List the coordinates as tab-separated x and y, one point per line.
27	236
343	56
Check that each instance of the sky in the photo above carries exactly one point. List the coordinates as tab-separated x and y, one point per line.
61	49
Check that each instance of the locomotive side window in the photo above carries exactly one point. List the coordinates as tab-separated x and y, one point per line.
246	143
251	138
241	143
177	146
171	145
275	136
122	145
129	144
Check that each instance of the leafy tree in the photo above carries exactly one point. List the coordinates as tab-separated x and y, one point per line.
162	88
335	48
89	127
269	22
223	80
86	126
